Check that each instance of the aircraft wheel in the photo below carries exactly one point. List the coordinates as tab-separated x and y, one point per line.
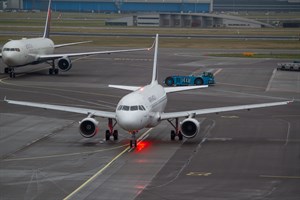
6	70
56	71
180	136
198	81
12	75
169	81
133	143
116	135
51	71
107	135
173	135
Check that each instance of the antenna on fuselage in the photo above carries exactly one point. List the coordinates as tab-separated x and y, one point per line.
154	73
48	21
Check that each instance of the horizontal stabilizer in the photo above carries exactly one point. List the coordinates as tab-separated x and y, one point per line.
184	88
125	87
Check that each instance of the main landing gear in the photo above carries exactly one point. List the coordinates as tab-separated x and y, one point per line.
111	131
53	70
10	71
175	132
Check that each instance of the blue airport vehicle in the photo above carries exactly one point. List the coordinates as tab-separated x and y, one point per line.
206	78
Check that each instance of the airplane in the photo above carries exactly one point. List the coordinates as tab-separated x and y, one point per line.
19	53
142	108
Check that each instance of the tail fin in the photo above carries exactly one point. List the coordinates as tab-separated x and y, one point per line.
48	20
154	73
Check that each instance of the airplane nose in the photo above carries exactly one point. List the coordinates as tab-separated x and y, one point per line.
130	121
9	59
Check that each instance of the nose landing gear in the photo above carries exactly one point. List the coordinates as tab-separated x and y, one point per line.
133	141
10	71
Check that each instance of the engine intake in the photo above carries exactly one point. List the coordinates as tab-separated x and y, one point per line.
64	64
190	127
88	127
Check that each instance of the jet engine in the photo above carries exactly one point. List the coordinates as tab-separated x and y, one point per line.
190	127
64	64
88	127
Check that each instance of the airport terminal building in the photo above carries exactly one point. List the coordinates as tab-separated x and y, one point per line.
120	6
177	6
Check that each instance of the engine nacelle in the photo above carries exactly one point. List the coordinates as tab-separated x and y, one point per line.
88	127
64	64
190	127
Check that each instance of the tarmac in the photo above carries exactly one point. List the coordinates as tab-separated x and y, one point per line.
237	155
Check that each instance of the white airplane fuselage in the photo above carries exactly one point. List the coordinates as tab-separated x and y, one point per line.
22	52
141	109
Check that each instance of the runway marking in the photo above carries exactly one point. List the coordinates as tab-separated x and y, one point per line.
230	117
199	174
54	89
280	177
218	71
102	169
238	85
61	155
271	79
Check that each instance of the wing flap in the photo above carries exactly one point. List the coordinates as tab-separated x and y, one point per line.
86	111
171	115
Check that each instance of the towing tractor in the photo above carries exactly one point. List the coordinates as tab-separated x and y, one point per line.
206	78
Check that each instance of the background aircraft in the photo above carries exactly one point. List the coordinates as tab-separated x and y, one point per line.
144	108
18	53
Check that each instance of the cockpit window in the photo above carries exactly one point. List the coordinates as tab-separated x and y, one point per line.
133	108
126	108
141	107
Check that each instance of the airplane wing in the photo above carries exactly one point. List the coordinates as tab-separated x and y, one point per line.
70	44
173	115
98	113
56	56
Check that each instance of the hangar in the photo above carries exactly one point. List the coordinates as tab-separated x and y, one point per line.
188	20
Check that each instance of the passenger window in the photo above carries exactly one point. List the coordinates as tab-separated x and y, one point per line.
133	108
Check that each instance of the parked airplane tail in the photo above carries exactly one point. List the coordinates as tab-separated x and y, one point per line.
48	21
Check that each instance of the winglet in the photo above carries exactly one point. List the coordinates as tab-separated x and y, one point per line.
48	21
154	73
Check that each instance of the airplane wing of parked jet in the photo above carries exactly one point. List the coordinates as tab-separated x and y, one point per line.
55	56
70	44
192	113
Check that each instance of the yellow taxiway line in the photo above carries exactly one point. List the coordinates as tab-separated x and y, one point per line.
104	168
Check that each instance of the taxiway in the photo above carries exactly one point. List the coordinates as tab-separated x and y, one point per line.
237	155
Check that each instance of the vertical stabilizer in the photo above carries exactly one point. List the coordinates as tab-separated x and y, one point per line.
48	20
154	73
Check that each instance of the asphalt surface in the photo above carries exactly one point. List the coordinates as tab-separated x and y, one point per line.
237	155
